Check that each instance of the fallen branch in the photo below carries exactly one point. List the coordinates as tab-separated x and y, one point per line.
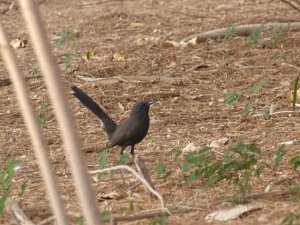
244	30
247	198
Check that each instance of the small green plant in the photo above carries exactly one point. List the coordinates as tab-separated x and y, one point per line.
105	215
277	37
292	219
65	37
162	172
240	163
23	189
279	155
231	97
295	162
42	117
6	176
124	159
254	36
230	33
102	159
158	221
79	220
250	96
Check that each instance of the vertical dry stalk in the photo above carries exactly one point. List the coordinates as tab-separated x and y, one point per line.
54	85
32	125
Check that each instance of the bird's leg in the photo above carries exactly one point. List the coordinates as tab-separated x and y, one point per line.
132	150
122	150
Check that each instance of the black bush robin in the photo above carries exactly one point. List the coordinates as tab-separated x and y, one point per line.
130	132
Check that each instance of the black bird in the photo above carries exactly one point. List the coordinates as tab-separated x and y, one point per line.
130	132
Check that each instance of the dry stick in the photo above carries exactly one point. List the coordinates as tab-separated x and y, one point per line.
122	167
51	218
34	130
292	5
17	213
255	196
291	65
54	85
279	112
152	213
144	172
244	30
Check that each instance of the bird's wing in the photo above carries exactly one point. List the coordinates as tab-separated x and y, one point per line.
126	131
108	124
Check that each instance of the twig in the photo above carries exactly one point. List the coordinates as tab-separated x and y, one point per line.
144	172
143	215
279	112
16	212
291	65
244	30
292	5
122	167
51	218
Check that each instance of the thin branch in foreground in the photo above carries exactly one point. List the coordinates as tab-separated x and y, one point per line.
18	216
146	184
144	172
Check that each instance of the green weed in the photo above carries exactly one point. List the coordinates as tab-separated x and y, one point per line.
6	176
230	33
42	117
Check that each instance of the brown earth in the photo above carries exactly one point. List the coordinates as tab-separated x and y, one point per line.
189	84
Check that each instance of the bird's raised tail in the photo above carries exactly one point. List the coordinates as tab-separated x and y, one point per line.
107	123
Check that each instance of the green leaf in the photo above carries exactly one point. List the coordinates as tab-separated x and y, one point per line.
258	86
229	33
123	210
105	215
279	155
255	149
23	189
102	158
158	221
3	198
248	107
79	220
68	60
88	55
231	97
176	153
259	170
295	92
160	169
266	115
254	36
65	36
124	159
295	161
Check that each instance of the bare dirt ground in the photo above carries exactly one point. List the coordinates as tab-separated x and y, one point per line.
189	84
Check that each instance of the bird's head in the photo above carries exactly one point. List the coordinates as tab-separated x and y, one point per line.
141	107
